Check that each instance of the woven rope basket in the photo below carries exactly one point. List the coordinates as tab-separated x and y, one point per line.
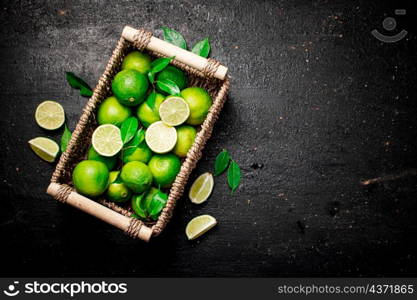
205	73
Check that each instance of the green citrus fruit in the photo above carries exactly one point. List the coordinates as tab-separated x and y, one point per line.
199	102
146	115
174	74
140	153
137	176
112	112
90	178
110	162
164	168
138	61
185	138
129	87
117	191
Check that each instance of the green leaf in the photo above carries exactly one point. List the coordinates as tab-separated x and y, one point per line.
168	86
65	138
157	204
221	162
128	129
233	175
137	139
161	63
137	206
79	84
202	48
174	37
151	77
150	101
86	92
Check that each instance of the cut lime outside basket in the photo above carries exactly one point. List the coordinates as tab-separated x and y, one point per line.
107	140
45	148
174	111
199	225
201	188
160	137
50	115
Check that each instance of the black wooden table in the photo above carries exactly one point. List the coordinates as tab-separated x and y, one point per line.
317	105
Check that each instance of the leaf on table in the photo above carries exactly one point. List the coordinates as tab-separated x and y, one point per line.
233	175
221	162
79	84
128	129
202	48
65	138
174	37
168	86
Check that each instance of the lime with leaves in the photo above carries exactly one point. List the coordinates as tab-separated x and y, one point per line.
111	111
129	87
140	153
148	115
164	168
90	178
138	61
199	102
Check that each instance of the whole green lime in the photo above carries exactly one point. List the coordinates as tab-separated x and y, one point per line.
174	74
117	191
110	162
140	153
138	61
111	111
90	178
137	176
129	87
185	138
164	168
147	115
199	102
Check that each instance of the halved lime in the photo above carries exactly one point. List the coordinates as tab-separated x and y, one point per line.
201	188
161	138
45	148
50	115
107	140
174	111
199	225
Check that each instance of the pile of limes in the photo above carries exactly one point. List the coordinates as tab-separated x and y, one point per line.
137	167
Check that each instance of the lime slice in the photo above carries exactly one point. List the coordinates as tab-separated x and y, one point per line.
201	188
161	138
199	225
50	115
174	111
107	140
45	148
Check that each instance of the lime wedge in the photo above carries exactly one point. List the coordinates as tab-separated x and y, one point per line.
174	111
45	148
199	225
161	138
201	188
107	140
50	115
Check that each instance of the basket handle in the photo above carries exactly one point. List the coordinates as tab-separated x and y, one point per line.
99	211
182	55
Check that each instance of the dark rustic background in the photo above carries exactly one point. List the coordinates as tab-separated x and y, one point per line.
316	105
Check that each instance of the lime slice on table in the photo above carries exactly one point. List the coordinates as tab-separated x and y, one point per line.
201	188
45	148
50	115
174	111
107	140
199	225
161	138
